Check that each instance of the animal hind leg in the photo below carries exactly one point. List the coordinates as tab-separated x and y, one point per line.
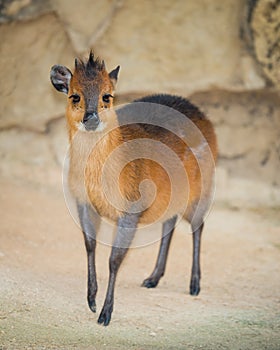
167	232
196	273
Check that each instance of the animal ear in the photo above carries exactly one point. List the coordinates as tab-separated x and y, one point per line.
60	78
113	75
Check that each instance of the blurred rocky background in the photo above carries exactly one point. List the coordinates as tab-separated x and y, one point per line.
222	55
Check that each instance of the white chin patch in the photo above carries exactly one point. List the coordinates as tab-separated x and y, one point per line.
100	128
81	126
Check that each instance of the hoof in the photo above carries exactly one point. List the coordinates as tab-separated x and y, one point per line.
92	305
105	316
150	283
195	286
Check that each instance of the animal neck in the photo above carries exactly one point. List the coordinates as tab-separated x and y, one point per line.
89	150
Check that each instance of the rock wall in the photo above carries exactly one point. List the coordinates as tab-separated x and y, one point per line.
265	32
248	130
223	55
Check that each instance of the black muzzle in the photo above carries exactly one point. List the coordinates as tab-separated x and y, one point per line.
91	121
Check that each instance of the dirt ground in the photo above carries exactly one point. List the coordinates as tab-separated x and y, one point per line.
43	282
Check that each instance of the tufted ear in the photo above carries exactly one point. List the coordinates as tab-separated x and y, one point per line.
60	78
113	75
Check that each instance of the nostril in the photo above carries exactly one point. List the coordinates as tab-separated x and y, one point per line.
91	121
91	116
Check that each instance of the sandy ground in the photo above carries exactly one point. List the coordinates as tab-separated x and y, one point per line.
43	282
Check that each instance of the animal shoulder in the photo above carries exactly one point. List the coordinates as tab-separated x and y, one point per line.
154	120
175	102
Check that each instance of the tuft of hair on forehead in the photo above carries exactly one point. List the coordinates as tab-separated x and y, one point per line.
90	67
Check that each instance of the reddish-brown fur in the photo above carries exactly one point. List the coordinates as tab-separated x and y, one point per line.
128	183
146	169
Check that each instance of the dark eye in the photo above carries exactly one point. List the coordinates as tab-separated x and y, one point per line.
106	98
75	98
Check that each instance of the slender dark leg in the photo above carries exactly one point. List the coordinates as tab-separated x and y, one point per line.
195	277
167	232
125	233
89	223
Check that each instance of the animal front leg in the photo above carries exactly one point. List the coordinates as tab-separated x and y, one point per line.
167	232
125	233
90	223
